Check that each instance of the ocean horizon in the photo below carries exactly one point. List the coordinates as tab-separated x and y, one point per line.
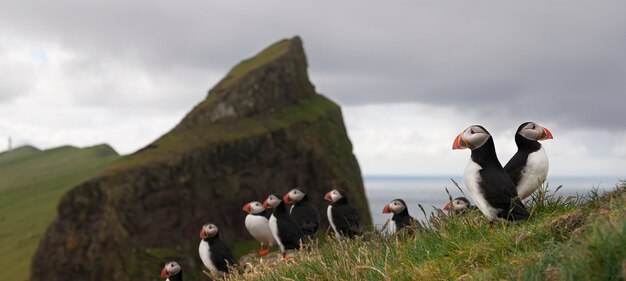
430	191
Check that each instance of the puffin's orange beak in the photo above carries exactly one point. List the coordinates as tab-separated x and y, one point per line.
327	197
164	272
265	204
546	134
447	206
458	142
202	233
286	198
246	208
386	209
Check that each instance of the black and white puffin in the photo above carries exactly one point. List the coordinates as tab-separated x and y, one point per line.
172	272
529	166
302	211
285	230
215	255
257	224
343	217
459	205
488	183
400	218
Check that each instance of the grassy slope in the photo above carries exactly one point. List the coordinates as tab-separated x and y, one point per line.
31	184
564	240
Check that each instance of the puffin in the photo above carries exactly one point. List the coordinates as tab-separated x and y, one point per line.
257	224
343	217
303	211
459	205
215	255
172	272
285	230
490	186
400	218
528	168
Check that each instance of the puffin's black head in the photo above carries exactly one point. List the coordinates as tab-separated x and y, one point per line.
459	203
254	207
208	230
396	206
335	195
271	202
170	269
533	131
294	195
473	137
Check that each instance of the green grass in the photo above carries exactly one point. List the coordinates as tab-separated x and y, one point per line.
174	144
565	239
31	184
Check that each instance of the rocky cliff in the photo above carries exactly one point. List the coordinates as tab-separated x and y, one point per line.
262	129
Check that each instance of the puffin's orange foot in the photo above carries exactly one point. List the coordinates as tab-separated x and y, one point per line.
264	251
285	256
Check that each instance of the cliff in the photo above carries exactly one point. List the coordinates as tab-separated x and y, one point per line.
262	129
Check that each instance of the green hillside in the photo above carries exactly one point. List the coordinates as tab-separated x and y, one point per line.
579	238
31	184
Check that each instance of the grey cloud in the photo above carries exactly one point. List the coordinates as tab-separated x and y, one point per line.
560	61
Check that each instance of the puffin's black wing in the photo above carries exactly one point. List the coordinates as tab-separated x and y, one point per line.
500	193
307	217
347	219
289	232
403	220
515	166
221	255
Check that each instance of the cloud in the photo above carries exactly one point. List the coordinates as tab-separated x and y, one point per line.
108	71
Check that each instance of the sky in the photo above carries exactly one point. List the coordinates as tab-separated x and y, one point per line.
409	76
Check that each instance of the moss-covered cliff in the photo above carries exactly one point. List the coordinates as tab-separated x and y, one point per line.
261	130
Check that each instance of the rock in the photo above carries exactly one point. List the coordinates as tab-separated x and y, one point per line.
261	130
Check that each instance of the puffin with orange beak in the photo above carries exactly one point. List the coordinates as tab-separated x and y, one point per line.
215	255
459	205
285	230
303	211
400	218
257	224
528	168
343	217
491	187
172	272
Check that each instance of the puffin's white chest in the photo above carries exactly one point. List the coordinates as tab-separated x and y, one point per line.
329	213
472	178
258	227
391	228
534	173
205	255
273	224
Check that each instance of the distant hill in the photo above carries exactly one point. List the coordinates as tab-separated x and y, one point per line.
31	183
262	129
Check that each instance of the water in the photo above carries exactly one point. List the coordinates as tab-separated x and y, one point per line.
429	191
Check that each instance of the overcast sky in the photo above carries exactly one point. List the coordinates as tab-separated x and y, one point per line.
409	75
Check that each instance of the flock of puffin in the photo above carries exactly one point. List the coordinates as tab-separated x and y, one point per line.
497	191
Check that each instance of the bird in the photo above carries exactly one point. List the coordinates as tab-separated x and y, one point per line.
459	205
285	230
343	217
528	168
215	255
303	211
257	224
400	218
490	186
172	271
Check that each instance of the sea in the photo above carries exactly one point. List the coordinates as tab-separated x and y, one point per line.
430	191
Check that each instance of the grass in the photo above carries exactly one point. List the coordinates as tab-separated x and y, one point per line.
581	238
31	184
174	144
